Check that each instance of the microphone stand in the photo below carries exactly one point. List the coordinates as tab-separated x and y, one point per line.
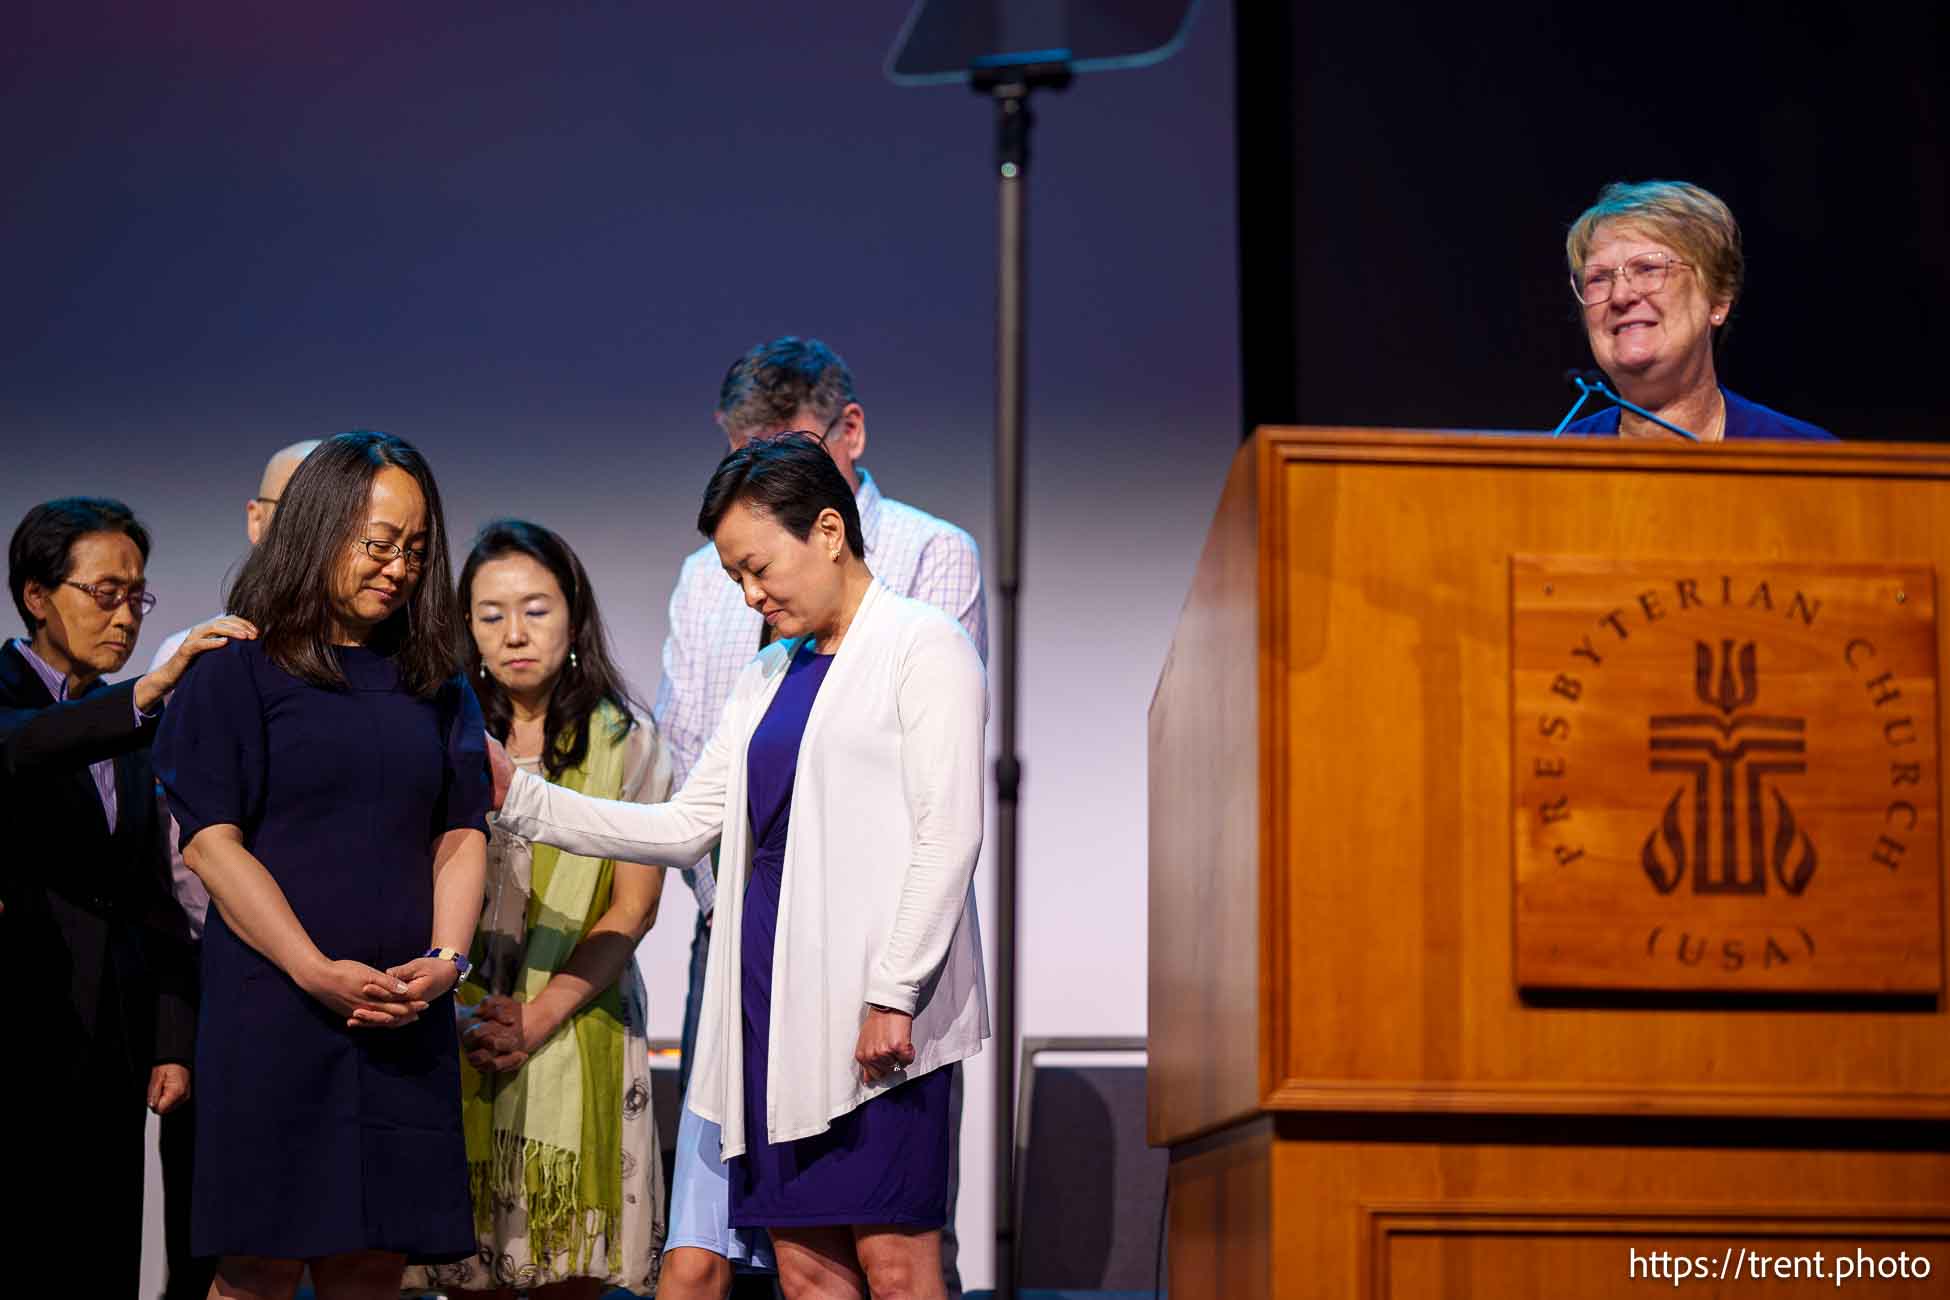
1589	388
1584	395
1009	80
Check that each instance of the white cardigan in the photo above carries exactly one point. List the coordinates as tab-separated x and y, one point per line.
878	903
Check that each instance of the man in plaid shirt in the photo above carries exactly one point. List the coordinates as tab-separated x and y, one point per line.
794	384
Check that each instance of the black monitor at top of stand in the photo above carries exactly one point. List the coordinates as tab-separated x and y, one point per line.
945	42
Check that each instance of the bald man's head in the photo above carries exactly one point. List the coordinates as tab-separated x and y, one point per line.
277	472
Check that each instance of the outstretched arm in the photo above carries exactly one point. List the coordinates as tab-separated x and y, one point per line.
506	1032
673	834
72	733
107	722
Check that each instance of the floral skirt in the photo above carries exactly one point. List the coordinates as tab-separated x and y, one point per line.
630	1260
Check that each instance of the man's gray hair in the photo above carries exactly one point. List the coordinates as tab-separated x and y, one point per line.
766	387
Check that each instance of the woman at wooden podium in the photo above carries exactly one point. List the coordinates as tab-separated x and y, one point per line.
1656	267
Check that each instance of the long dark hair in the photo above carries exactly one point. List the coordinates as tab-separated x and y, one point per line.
285	587
584	681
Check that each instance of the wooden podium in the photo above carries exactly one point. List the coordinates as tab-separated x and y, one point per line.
1545	872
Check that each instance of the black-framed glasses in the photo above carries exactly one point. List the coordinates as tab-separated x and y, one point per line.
265	501
387	552
1645	273
109	597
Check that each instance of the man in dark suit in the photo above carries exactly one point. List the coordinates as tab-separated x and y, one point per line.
103	1017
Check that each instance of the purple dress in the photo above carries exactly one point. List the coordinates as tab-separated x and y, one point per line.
884	1162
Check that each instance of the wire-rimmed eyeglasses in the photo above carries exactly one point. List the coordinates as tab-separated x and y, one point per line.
109	597
386	552
1645	273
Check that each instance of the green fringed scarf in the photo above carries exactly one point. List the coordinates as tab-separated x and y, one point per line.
549	1136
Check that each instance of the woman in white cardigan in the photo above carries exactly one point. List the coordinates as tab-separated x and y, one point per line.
844	788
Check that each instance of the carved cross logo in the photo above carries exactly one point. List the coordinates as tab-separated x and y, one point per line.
1730	758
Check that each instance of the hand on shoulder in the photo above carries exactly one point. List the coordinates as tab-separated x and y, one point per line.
155	685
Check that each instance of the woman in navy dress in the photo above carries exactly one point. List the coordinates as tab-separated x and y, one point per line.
330	783
845	781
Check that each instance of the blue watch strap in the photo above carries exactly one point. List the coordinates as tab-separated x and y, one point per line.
459	959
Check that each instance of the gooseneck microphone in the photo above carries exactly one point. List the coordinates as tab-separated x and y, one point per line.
1577	379
1591	383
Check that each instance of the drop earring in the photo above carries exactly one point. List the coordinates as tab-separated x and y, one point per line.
572	659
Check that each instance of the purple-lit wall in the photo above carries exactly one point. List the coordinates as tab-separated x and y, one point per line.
530	239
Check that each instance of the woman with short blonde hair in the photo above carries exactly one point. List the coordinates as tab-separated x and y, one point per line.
1656	268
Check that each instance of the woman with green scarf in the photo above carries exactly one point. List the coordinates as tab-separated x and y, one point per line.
561	1141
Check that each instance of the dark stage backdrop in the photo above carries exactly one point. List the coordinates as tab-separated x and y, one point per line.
1408	172
531	237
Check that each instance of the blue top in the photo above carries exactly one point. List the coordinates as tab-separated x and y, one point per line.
772	759
1745	419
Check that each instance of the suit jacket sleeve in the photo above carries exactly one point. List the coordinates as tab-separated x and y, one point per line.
100	725
172	963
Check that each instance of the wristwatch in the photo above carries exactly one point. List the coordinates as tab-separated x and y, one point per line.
459	959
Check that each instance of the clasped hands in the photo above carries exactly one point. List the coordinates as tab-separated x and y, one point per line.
494	1034
376	999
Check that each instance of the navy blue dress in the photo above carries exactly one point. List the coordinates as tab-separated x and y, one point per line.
884	1162
314	1139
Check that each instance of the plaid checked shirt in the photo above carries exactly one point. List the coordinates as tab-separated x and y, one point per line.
714	634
